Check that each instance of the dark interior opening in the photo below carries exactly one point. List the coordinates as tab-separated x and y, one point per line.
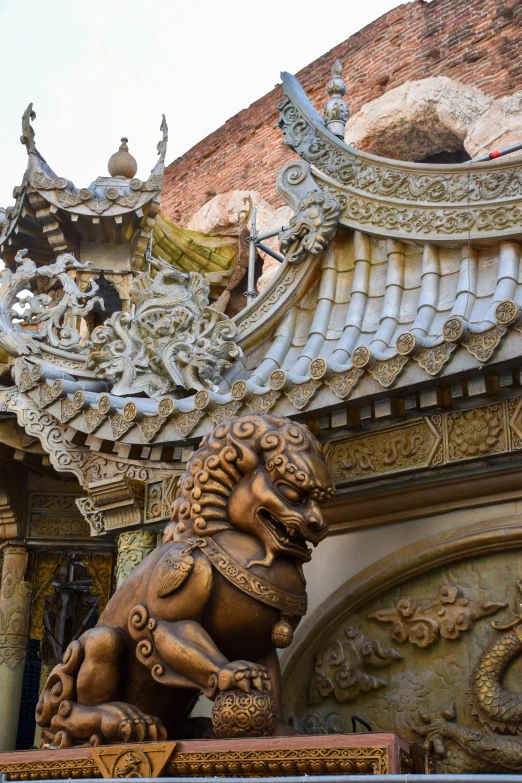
459	156
111	300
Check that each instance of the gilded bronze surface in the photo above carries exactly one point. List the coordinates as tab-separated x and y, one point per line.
379	754
205	611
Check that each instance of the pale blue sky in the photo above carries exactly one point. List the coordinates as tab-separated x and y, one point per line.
102	69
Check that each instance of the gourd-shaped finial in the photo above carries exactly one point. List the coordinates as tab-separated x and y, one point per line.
122	164
336	111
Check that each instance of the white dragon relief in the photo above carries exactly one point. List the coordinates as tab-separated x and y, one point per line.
174	339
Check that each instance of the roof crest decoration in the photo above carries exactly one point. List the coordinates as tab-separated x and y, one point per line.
27	137
174	339
393	198
104	195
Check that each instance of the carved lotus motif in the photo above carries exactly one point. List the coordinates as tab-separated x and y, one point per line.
477	432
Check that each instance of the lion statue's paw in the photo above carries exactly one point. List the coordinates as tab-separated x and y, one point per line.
244	676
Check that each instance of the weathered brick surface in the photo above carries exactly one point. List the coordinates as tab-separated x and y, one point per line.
475	41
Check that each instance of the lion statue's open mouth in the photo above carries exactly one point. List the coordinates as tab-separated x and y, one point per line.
288	539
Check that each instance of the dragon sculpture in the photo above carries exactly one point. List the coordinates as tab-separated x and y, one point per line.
498	710
311	228
174	339
207	609
51	311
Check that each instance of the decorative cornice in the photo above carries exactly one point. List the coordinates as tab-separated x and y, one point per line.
404	200
441	439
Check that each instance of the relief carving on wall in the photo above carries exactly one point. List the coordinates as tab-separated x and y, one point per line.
455	684
448	615
498	710
340	669
440	439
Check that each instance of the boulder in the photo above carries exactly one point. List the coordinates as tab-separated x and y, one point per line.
418	119
279	218
500	126
226	212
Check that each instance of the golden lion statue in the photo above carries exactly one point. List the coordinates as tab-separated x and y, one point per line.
207	609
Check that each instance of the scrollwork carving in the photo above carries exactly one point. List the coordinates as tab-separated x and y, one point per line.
483	344
51	312
340	669
448	615
434	357
174	339
263	403
15	601
300	394
416	444
133	547
385	371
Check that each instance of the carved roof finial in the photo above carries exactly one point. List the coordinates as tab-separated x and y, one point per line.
162	145
122	163
27	137
336	111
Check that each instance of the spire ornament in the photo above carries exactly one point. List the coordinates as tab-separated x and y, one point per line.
27	137
162	145
122	163
336	111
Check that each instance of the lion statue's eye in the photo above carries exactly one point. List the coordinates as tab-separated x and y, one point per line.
288	492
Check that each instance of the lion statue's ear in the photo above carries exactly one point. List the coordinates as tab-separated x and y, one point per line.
247	460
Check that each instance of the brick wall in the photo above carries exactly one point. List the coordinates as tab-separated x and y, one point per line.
475	41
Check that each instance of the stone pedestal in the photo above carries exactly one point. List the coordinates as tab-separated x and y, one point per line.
133	547
333	754
15	612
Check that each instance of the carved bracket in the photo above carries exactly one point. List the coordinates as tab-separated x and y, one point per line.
113	503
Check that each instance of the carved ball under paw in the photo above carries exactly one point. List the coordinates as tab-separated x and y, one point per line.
239	714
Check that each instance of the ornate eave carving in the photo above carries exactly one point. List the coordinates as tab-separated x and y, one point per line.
400	199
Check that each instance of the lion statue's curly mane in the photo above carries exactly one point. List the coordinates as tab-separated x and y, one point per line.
234	449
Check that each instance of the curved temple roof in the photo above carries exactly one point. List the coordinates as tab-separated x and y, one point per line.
383	290
51	215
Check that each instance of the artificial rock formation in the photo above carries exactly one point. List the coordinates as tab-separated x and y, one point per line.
228	213
429	116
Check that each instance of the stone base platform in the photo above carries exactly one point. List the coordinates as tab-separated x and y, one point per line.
364	753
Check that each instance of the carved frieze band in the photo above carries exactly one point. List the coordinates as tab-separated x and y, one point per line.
396	199
372	760
429	441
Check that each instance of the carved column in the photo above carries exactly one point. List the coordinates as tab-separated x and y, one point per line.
15	613
133	547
